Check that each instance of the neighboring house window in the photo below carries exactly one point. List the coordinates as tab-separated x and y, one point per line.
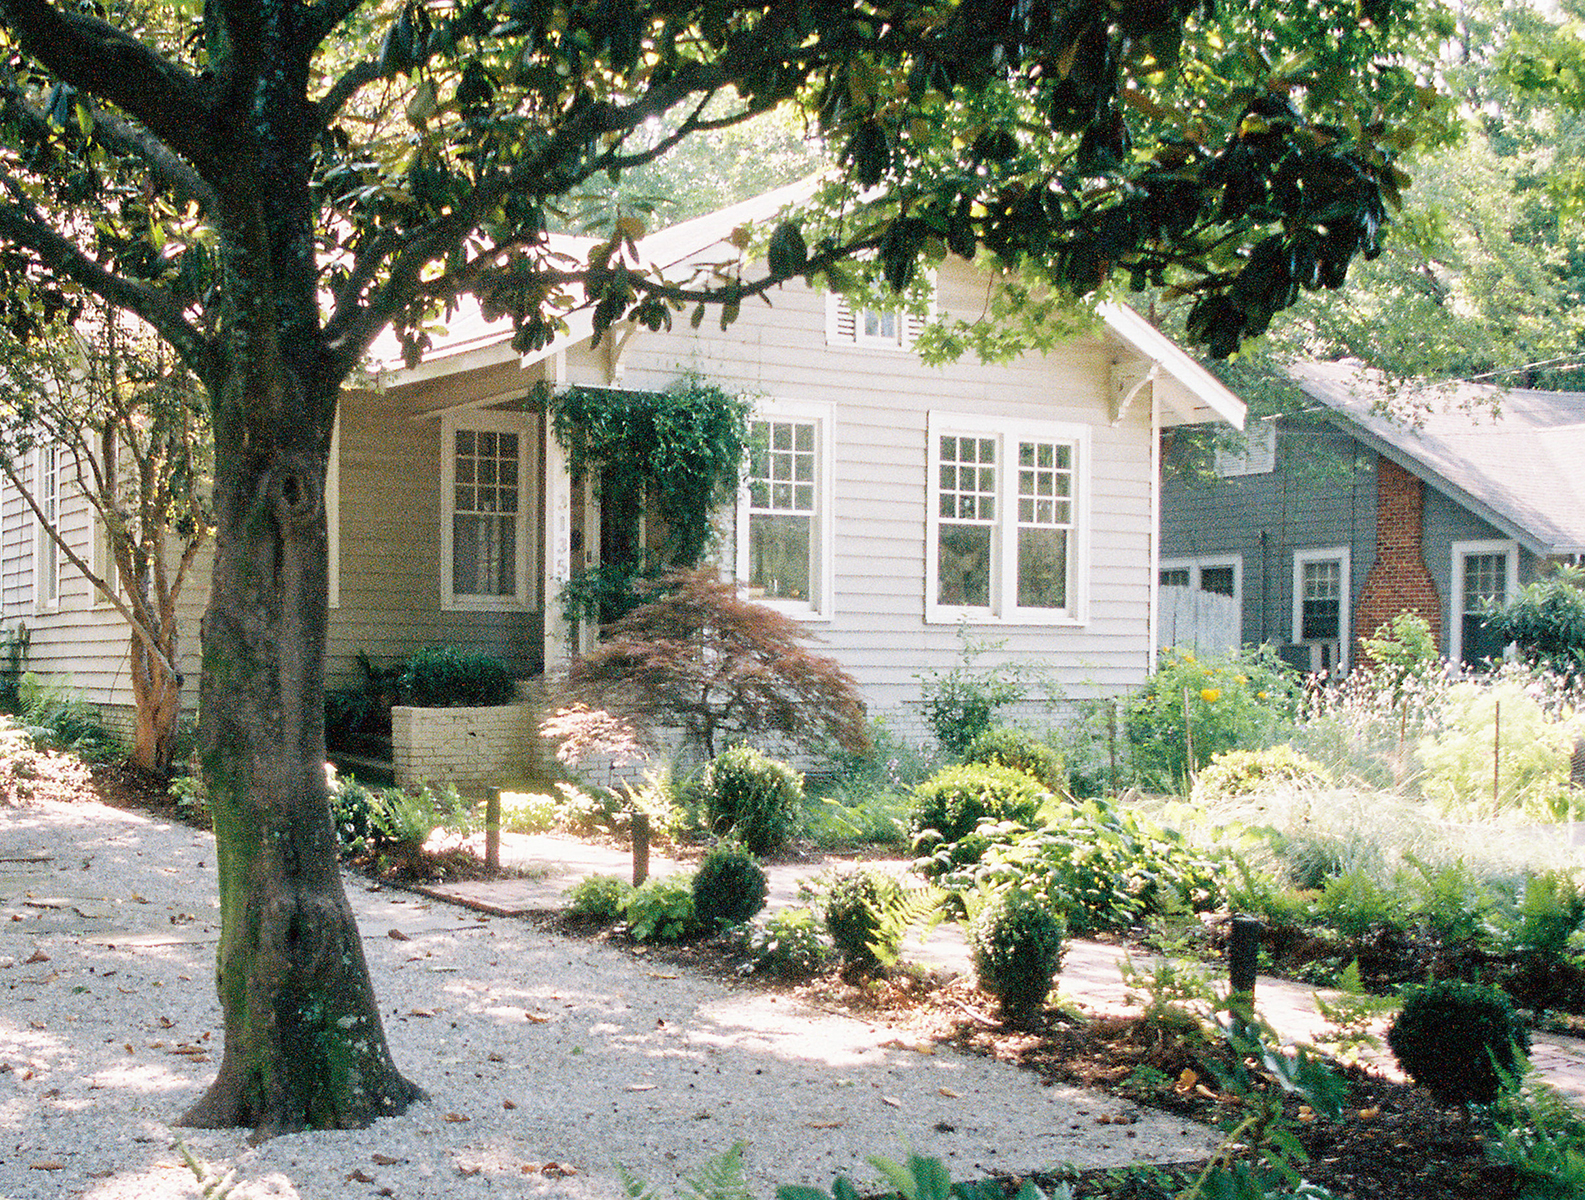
1257	456
1483	572
1221	575
485	533
784	509
1006	520
46	553
886	329
1320	605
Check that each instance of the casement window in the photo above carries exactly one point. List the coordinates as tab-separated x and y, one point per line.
875	328
784	539
1320	605
1007	528
46	553
1257	455
486	538
1483	573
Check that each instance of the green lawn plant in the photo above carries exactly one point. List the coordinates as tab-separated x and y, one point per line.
1234	773
857	909
1004	746
599	897
661	909
789	944
1203	705
1016	942
753	798
728	888
949	807
964	701
1100	864
1458	1040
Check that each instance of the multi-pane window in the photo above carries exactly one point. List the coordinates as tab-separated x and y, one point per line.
1320	613
1484	575
486	551
784	544
782	509
1004	522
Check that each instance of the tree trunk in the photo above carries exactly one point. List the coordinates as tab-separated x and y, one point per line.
304	1048
157	695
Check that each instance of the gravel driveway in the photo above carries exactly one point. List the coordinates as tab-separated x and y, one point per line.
550	1063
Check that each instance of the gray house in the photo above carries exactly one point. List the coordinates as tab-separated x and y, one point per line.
1331	522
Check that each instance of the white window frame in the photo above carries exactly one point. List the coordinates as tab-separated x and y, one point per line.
523	595
47	554
1003	608
1197	566
1460	551
1345	584
821	603
845	325
1257	456
333	517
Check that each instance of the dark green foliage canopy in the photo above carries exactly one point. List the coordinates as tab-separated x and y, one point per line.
1242	153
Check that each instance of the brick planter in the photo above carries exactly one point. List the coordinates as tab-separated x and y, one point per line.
474	748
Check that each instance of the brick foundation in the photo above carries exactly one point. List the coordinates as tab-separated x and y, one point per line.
474	748
1398	580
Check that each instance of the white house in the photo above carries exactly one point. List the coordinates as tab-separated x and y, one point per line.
1016	501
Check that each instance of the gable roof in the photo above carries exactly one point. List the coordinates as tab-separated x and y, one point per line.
1514	457
470	341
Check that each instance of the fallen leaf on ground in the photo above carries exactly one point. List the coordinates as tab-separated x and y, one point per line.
641	1087
662	975
536	1018
454	1118
385	1160
38	956
49	1164
419	1012
508	1105
396	935
892	1100
360	1177
468	1172
822	1124
949	1093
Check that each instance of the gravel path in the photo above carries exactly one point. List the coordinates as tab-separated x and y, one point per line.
549	1062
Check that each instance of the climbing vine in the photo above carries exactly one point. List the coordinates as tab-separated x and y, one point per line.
681	450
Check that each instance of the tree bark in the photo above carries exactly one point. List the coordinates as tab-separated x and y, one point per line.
157	696
304	1048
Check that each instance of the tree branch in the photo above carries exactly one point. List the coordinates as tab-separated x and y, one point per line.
95	57
23	225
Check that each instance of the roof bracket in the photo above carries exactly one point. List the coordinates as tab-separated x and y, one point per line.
1129	378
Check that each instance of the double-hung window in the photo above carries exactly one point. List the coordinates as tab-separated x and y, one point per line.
1006	529
784	509
486	538
1483	573
1321	588
46	552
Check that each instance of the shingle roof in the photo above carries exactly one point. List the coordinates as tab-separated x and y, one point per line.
1515	457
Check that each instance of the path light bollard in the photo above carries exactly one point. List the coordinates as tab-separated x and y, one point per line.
640	848
492	831
1241	958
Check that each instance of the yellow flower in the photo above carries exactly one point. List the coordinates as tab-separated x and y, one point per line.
1260	696
1210	695
1188	658
1241	678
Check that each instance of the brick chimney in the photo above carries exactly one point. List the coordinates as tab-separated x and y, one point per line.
1398	580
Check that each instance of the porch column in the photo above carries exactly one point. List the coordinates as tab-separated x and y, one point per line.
558	552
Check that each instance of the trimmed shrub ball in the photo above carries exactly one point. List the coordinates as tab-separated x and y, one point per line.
1452	1038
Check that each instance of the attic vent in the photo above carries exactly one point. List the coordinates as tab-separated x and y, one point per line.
890	328
1258	455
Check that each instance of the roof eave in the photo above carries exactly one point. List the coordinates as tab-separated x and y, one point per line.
1213	397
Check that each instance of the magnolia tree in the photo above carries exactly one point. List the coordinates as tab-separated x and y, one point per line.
269	184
